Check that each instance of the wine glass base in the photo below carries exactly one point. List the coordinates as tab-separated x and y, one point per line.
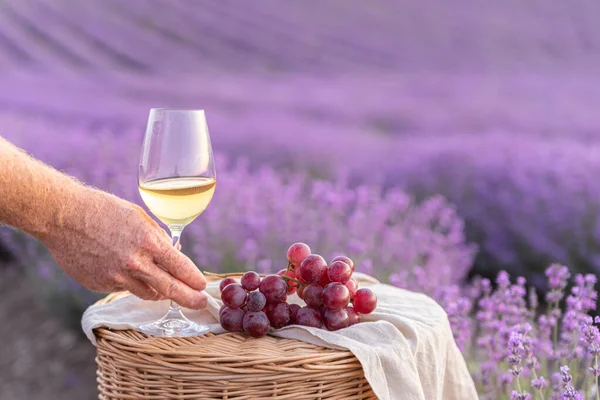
173	328
174	324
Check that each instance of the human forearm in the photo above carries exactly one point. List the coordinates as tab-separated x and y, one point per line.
33	197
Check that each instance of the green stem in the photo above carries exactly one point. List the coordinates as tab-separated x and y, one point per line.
555	337
554	329
574	366
535	377
519	385
587	383
287	278
596	377
545	367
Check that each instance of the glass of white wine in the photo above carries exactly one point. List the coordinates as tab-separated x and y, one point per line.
176	180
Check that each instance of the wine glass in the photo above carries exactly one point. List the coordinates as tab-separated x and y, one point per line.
176	179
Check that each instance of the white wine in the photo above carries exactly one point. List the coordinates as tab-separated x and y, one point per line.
178	201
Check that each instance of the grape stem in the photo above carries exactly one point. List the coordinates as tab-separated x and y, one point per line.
287	278
230	275
223	276
218	275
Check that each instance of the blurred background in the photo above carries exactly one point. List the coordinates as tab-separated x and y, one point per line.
459	137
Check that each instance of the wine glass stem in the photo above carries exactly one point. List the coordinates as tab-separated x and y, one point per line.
176	231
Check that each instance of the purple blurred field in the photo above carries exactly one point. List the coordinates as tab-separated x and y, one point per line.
302	36
490	105
384	68
493	105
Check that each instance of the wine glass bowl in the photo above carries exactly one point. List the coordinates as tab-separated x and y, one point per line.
176	180
177	201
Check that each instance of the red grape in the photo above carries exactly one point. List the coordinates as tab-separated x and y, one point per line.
322	310
313	295
312	268
352	287
268	308
250	281
274	288
336	296
344	259
353	316
256	323
279	314
291	284
222	308
234	295
231	319
256	301
294	312
297	253
335	319
339	271
301	290
364	301
309	317
324	281
225	282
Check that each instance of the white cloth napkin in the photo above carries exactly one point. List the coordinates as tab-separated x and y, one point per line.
406	347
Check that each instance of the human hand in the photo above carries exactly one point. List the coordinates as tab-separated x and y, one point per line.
108	244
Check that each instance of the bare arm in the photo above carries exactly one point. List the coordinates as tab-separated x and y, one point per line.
105	243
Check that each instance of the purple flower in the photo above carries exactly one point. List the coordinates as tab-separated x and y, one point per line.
557	275
569	391
506	378
486	286
539	383
458	308
520	395
590	336
503	279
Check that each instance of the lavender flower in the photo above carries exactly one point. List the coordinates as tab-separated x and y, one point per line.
558	276
591	338
515	353
539	383
569	391
458	308
515	395
581	300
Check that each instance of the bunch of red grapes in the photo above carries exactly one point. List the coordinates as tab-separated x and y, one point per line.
332	297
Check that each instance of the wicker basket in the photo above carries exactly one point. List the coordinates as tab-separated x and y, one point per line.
230	366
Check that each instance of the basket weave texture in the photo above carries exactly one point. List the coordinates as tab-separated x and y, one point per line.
229	366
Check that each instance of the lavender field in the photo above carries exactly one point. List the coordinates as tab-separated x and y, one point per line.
423	139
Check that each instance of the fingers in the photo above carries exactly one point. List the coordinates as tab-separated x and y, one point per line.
181	267
142	290
172	288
